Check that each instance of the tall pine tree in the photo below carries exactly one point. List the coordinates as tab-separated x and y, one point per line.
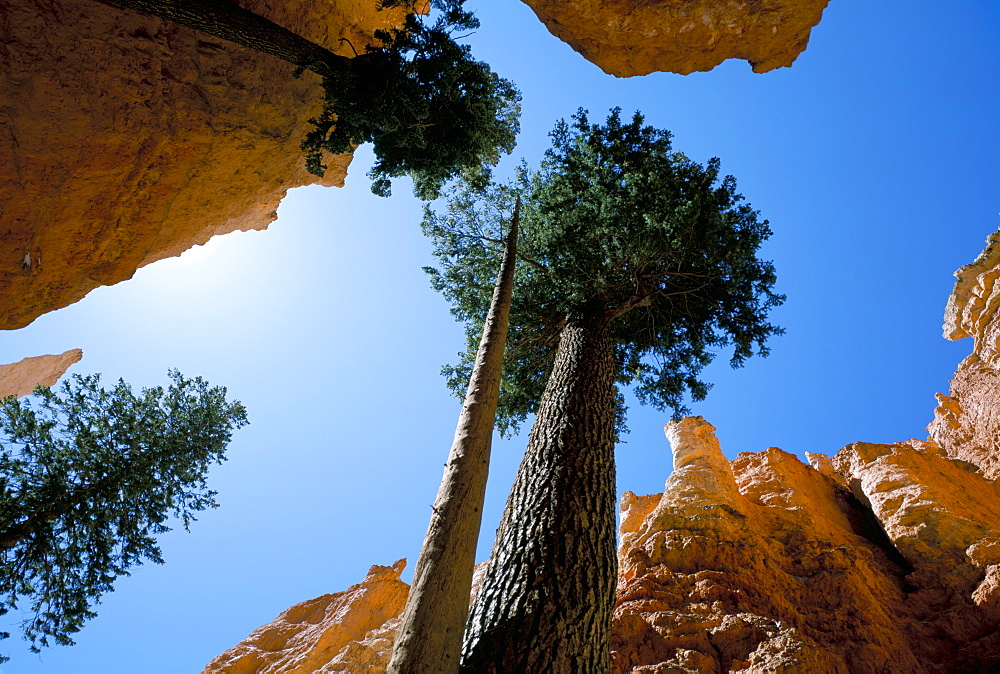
637	266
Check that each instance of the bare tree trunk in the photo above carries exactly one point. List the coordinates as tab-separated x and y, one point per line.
227	20
546	602
430	636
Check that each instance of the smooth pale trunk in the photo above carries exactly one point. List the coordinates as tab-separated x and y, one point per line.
429	640
546	602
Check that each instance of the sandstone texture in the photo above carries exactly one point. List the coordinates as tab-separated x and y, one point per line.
876	560
21	378
967	422
974	302
632	37
762	564
125	139
350	631
944	518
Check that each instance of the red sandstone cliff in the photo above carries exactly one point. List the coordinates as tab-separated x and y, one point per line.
967	423
884	558
126	139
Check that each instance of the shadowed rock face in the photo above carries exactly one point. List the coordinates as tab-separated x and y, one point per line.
637	37
944	518
126	139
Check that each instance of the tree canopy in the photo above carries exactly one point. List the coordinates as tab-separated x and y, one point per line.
614	216
637	266
430	109
88	477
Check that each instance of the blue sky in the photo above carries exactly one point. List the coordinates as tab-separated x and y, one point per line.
874	157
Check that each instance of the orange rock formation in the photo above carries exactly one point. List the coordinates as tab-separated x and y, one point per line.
967	423
627	37
883	558
21	378
348	631
126	139
875	562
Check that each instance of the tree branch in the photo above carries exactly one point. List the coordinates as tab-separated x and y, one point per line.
520	256
226	20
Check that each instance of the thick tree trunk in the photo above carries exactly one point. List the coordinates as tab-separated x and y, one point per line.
227	20
546	603
429	640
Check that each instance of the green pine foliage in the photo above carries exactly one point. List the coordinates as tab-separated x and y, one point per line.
430	109
88	478
615	218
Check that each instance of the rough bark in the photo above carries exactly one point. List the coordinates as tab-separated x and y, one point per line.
430	635
546	602
227	20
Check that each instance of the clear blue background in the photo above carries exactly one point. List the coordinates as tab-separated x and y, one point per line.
874	157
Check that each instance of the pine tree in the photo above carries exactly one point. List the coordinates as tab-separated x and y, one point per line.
88	477
638	266
431	111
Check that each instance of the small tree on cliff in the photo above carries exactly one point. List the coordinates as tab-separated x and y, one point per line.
431	111
639	265
88	478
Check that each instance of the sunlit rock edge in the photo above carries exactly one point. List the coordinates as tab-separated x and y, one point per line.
628	38
21	378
